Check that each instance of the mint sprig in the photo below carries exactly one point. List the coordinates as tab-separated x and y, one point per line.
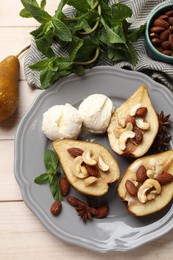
96	29
51	177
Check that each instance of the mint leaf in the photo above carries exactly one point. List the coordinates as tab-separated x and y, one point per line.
58	12
120	12
25	14
96	28
43	4
40	65
81	6
51	177
45	77
75	46
51	161
61	30
40	15
112	37
136	33
55	188
43	178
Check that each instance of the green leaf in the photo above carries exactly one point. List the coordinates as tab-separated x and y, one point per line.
136	33
43	178
111	36
43	4
51	161
40	15
44	38
25	14
40	65
60	74
58	12
74	47
61	30
45	78
81	6
55	189
62	63
132	54
79	70
120	12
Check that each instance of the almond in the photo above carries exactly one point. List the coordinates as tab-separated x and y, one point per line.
101	212
171	41
73	201
157	29
138	135
163	17
141	174
169	13
156	41
164	35
64	186
164	178
74	151
167	52
170	20
166	45
161	23
92	170
142	111
131	119
131	188
56	208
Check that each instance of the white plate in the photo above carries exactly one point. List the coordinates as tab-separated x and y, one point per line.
120	231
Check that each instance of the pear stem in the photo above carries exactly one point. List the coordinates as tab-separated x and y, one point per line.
26	48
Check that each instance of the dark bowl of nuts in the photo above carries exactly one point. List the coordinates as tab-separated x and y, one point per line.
159	34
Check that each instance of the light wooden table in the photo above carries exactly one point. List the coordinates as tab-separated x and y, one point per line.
22	236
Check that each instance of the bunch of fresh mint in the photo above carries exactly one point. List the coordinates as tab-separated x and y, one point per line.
96	29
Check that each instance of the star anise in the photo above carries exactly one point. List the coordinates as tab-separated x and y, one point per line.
162	142
164	122
83	211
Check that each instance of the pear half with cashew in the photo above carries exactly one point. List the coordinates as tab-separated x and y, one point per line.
134	125
147	185
89	167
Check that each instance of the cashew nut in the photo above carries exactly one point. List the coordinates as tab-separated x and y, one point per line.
77	168
90	180
147	185
102	165
134	109
119	130
123	139
87	158
141	124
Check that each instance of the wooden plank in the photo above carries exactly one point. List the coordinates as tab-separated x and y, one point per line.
12	41
10	16
24	237
26	96
9	189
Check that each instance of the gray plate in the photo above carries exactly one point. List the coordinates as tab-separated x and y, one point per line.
120	231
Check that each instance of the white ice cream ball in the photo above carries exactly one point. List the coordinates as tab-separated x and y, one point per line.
61	121
96	111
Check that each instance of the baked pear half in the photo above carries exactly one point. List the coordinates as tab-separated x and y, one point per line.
89	167
147	185
134	125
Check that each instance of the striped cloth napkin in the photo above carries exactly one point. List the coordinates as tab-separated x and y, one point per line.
159	71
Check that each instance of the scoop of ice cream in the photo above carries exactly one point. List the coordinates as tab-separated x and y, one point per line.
61	121
96	111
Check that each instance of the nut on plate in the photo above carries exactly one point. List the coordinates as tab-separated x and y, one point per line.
147	194
136	135
90	172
